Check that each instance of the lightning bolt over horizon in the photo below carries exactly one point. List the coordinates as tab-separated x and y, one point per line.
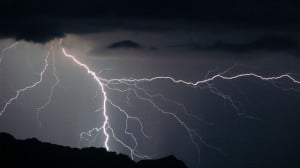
131	86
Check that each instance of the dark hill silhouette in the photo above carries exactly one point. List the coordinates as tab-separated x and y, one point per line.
33	153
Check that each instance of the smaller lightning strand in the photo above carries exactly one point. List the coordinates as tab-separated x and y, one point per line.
89	133
20	91
6	49
42	107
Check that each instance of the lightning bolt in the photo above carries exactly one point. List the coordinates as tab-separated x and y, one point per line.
47	103
94	76
4	51
20	91
132	88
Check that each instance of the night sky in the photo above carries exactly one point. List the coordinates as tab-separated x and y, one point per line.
244	122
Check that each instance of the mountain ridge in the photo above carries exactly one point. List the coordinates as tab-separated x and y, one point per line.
34	153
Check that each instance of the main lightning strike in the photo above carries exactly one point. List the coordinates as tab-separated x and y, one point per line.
93	74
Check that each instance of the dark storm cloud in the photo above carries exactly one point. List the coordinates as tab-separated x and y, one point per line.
268	42
127	44
31	30
41	21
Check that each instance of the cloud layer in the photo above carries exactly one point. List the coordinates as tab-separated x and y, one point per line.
38	21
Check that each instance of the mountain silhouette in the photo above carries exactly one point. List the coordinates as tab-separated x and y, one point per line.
33	153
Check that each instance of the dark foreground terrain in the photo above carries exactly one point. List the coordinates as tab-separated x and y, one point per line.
33	153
